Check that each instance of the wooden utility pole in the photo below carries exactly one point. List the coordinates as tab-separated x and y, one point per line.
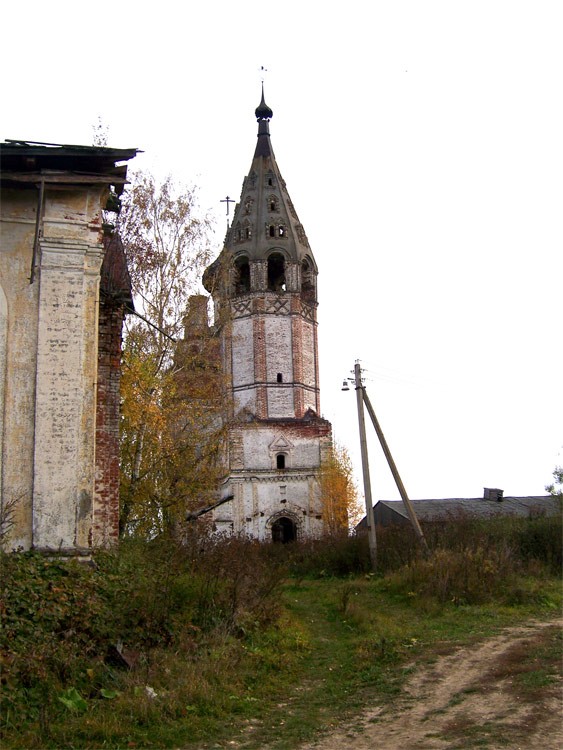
395	472
372	539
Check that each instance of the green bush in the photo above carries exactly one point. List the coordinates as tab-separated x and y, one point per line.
536	539
470	576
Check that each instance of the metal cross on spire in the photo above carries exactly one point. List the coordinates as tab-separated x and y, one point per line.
227	200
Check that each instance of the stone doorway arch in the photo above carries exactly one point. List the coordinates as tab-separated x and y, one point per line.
284	529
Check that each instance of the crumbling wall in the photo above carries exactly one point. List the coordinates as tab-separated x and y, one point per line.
51	363
105	530
20	346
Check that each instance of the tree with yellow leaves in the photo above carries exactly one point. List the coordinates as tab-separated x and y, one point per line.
171	426
339	494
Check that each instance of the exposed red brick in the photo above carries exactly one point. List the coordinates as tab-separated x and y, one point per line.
115	296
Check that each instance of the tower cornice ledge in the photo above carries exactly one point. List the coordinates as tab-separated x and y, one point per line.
268	475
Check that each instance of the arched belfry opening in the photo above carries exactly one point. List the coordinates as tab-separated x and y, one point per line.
242	275
276	272
307	281
284	530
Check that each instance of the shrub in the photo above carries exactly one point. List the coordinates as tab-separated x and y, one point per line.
337	555
467	576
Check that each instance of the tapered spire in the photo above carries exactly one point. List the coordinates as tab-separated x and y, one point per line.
263	115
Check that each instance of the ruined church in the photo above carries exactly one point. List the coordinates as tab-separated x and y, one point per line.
64	292
264	286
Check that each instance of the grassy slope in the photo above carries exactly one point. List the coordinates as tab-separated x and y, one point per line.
338	646
294	661
363	642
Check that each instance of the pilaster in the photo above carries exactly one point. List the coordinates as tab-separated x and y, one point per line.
65	394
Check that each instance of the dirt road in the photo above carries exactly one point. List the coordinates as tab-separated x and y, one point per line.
482	696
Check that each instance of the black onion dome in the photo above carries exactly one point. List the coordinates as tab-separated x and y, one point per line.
262	111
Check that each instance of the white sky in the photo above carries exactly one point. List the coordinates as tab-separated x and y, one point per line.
422	146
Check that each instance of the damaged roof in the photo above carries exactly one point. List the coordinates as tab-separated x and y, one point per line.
32	161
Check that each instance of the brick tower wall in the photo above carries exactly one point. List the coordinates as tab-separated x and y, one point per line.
105	531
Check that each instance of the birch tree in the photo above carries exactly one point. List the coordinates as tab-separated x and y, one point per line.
171	427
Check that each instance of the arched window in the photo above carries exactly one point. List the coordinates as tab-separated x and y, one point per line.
276	273
280	461
242	275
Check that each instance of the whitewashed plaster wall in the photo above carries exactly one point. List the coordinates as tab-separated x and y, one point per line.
16	252
51	363
263	493
3	348
259	501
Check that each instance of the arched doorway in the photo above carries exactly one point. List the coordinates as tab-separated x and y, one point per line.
284	530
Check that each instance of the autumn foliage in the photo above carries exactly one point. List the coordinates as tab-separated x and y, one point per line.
172	394
339	495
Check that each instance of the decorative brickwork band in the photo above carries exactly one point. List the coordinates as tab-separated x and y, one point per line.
260	367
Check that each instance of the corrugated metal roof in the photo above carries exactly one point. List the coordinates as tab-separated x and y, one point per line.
441	509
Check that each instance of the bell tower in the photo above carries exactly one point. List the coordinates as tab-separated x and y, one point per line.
264	285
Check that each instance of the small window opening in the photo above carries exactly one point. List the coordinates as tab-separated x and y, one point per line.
272	230
272	205
281	231
276	273
280	377
270	181
248	233
280	461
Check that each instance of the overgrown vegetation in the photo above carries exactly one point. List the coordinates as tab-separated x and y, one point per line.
164	644
339	494
172	427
